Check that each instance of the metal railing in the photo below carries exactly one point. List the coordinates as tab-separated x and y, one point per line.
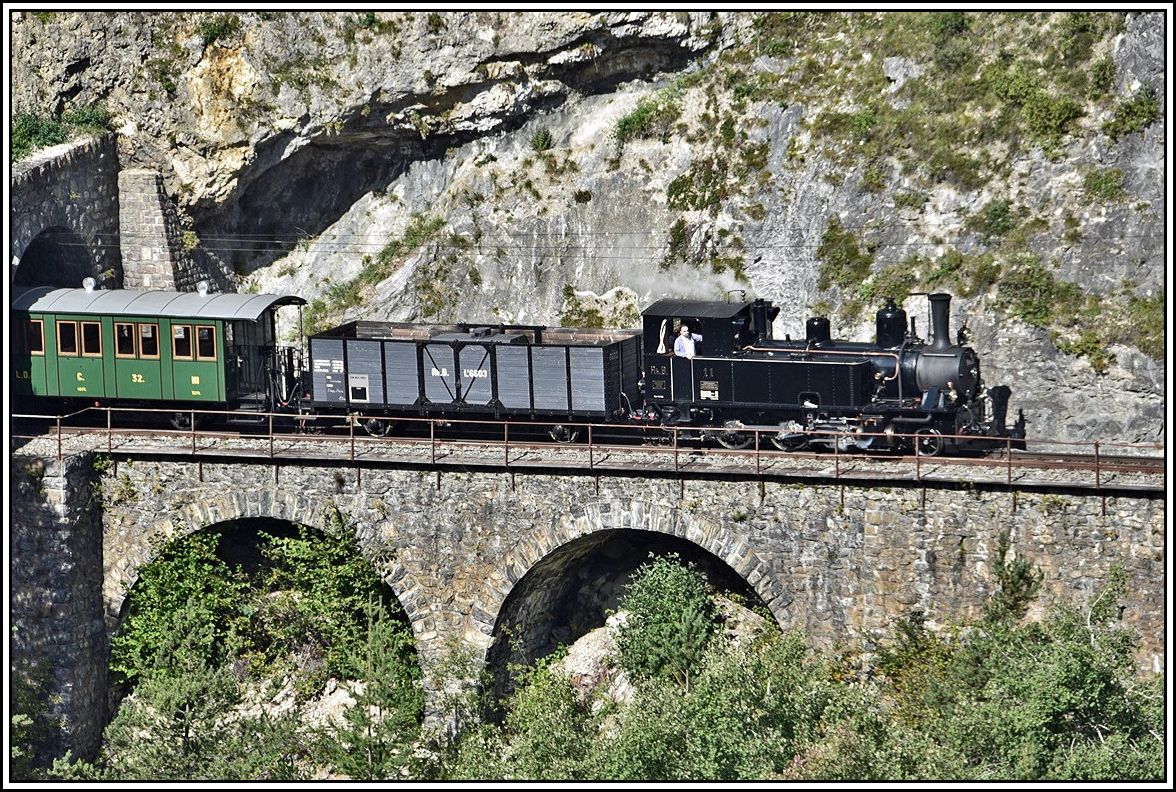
662	447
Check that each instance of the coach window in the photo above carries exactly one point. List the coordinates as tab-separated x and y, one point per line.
91	339
149	341
124	340
205	342
35	337
182	342
67	339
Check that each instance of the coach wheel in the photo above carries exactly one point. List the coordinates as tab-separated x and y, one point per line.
929	442
735	441
182	421
377	427
564	434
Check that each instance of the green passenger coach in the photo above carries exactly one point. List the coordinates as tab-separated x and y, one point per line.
151	348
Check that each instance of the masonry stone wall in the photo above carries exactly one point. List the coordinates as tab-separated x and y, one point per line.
68	188
841	564
57	630
152	240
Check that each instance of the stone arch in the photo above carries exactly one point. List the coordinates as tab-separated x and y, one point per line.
57	256
275	504
706	533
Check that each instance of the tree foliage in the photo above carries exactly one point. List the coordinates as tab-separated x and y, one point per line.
670	621
199	630
997	699
375	739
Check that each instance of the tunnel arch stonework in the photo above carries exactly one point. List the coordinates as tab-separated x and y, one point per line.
842	564
73	186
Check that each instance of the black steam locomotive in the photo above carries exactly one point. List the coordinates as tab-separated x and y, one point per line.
821	390
727	376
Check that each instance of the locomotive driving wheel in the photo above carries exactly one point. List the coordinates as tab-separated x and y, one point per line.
790	442
928	442
564	434
736	441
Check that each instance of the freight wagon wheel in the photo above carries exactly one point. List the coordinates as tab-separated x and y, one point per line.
377	427
564	434
929	442
736	441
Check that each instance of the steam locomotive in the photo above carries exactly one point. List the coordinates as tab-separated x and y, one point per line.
820	390
189	351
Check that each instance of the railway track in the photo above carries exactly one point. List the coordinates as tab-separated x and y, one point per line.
601	449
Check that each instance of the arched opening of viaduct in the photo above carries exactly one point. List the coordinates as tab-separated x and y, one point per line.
572	590
58	256
245	544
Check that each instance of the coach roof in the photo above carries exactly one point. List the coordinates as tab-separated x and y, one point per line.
122	302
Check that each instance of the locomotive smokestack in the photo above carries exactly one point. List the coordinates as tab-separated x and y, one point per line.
940	318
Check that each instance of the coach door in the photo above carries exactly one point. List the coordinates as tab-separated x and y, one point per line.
137	359
195	360
79	357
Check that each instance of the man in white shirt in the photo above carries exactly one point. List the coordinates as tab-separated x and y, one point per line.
684	343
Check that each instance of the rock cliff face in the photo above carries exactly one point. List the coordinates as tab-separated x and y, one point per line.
548	167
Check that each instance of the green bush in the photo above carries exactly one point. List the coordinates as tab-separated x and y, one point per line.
653	117
218	27
1036	296
1049	118
704	186
946	24
843	264
1134	114
1104	184
31	132
541	140
1102	77
671	620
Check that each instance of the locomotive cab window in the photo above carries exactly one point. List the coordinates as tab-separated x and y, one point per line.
182	342
149	340
124	340
34	337
67	339
91	339
205	342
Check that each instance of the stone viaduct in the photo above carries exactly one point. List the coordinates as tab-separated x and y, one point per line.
476	555
75	214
